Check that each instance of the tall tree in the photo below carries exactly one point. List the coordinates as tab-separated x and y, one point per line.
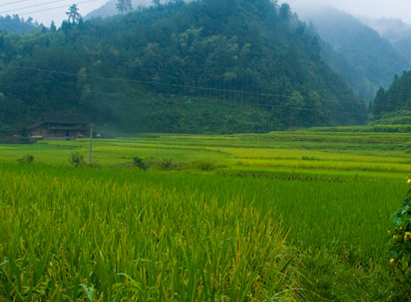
124	6
285	11
73	14
156	3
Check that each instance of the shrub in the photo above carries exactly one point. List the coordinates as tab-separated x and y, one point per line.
26	159
400	258
77	160
5	129
202	165
138	162
165	164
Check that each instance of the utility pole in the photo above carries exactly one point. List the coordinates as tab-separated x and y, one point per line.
90	157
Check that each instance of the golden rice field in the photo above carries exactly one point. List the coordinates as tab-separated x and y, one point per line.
283	216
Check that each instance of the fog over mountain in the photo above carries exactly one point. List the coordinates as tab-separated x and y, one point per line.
373	57
370	8
109	9
394	30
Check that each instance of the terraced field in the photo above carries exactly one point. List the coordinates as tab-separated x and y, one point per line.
292	216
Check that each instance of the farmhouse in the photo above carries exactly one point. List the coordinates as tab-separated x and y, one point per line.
60	127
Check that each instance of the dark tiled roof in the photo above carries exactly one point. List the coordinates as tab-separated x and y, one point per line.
62	119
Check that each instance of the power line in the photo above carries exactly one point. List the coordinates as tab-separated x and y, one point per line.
230	91
15	2
250	103
218	100
31	6
56	7
220	90
200	88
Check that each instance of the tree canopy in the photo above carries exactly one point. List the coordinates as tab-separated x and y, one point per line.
209	65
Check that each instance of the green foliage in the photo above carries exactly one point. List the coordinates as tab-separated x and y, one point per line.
77	160
400	257
15	24
124	6
5	129
165	164
138	162
26	159
395	99
245	66
202	165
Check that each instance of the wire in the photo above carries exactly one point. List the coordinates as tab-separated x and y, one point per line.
31	6
15	2
201	88
57	7
251	103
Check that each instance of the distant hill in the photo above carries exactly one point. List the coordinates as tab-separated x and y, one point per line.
358	82
109	9
373	58
14	24
395	31
205	66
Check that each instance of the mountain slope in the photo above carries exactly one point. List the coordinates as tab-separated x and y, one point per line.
109	9
220	66
374	58
395	31
358	82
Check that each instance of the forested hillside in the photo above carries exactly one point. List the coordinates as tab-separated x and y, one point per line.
356	79
204	66
375	60
396	99
14	24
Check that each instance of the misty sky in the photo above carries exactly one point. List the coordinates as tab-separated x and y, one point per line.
46	10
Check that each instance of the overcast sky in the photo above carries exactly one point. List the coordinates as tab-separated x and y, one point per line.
46	10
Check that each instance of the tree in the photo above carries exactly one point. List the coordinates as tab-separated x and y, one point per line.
73	14
285	11
293	107
82	86
124	6
156	3
53	27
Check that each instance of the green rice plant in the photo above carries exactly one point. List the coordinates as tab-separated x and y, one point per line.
170	234
81	236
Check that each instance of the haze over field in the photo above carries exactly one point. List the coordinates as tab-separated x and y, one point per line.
45	10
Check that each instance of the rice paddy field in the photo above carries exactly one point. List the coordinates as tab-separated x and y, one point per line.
283	216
